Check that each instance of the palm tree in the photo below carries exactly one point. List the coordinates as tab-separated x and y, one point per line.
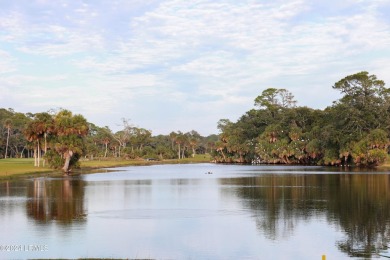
193	143
220	147
182	143
173	136
180	140
193	140
45	125
38	129
32	135
70	129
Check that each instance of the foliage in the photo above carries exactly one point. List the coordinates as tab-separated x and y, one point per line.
65	132
11	131
354	130
55	160
372	150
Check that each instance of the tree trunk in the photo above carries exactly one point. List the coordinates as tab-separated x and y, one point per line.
39	154
223	155
178	153
182	154
286	160
67	156
241	157
105	153
15	151
35	156
21	153
44	160
193	152
6	147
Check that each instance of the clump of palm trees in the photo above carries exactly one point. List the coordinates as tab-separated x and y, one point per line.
62	135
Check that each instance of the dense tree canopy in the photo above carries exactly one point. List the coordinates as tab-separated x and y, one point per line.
353	131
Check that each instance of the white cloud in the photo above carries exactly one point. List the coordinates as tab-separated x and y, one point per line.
7	63
139	57
55	41
12	27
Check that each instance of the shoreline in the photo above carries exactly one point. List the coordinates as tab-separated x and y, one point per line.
16	168
93	166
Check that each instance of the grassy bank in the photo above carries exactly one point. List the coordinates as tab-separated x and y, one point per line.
115	162
10	168
14	167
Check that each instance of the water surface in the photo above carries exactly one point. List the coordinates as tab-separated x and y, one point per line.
201	211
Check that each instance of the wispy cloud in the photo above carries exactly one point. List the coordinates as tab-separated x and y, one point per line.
188	61
7	63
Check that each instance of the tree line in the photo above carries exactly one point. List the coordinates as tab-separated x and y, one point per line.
354	130
60	138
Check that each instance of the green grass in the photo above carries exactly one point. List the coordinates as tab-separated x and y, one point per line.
115	162
11	167
18	167
199	158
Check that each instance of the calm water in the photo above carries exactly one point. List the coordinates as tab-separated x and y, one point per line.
180	212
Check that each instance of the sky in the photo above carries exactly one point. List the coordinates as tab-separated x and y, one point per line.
183	65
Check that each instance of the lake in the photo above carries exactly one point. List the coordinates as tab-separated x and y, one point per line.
198	211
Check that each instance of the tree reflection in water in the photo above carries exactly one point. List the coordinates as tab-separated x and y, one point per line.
358	203
60	200
362	207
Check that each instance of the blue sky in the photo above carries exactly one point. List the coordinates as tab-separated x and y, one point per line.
182	65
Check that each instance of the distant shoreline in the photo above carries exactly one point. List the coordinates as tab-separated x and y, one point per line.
11	169
24	168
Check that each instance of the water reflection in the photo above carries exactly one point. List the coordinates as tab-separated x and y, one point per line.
178	212
60	200
361	205
12	195
358	203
